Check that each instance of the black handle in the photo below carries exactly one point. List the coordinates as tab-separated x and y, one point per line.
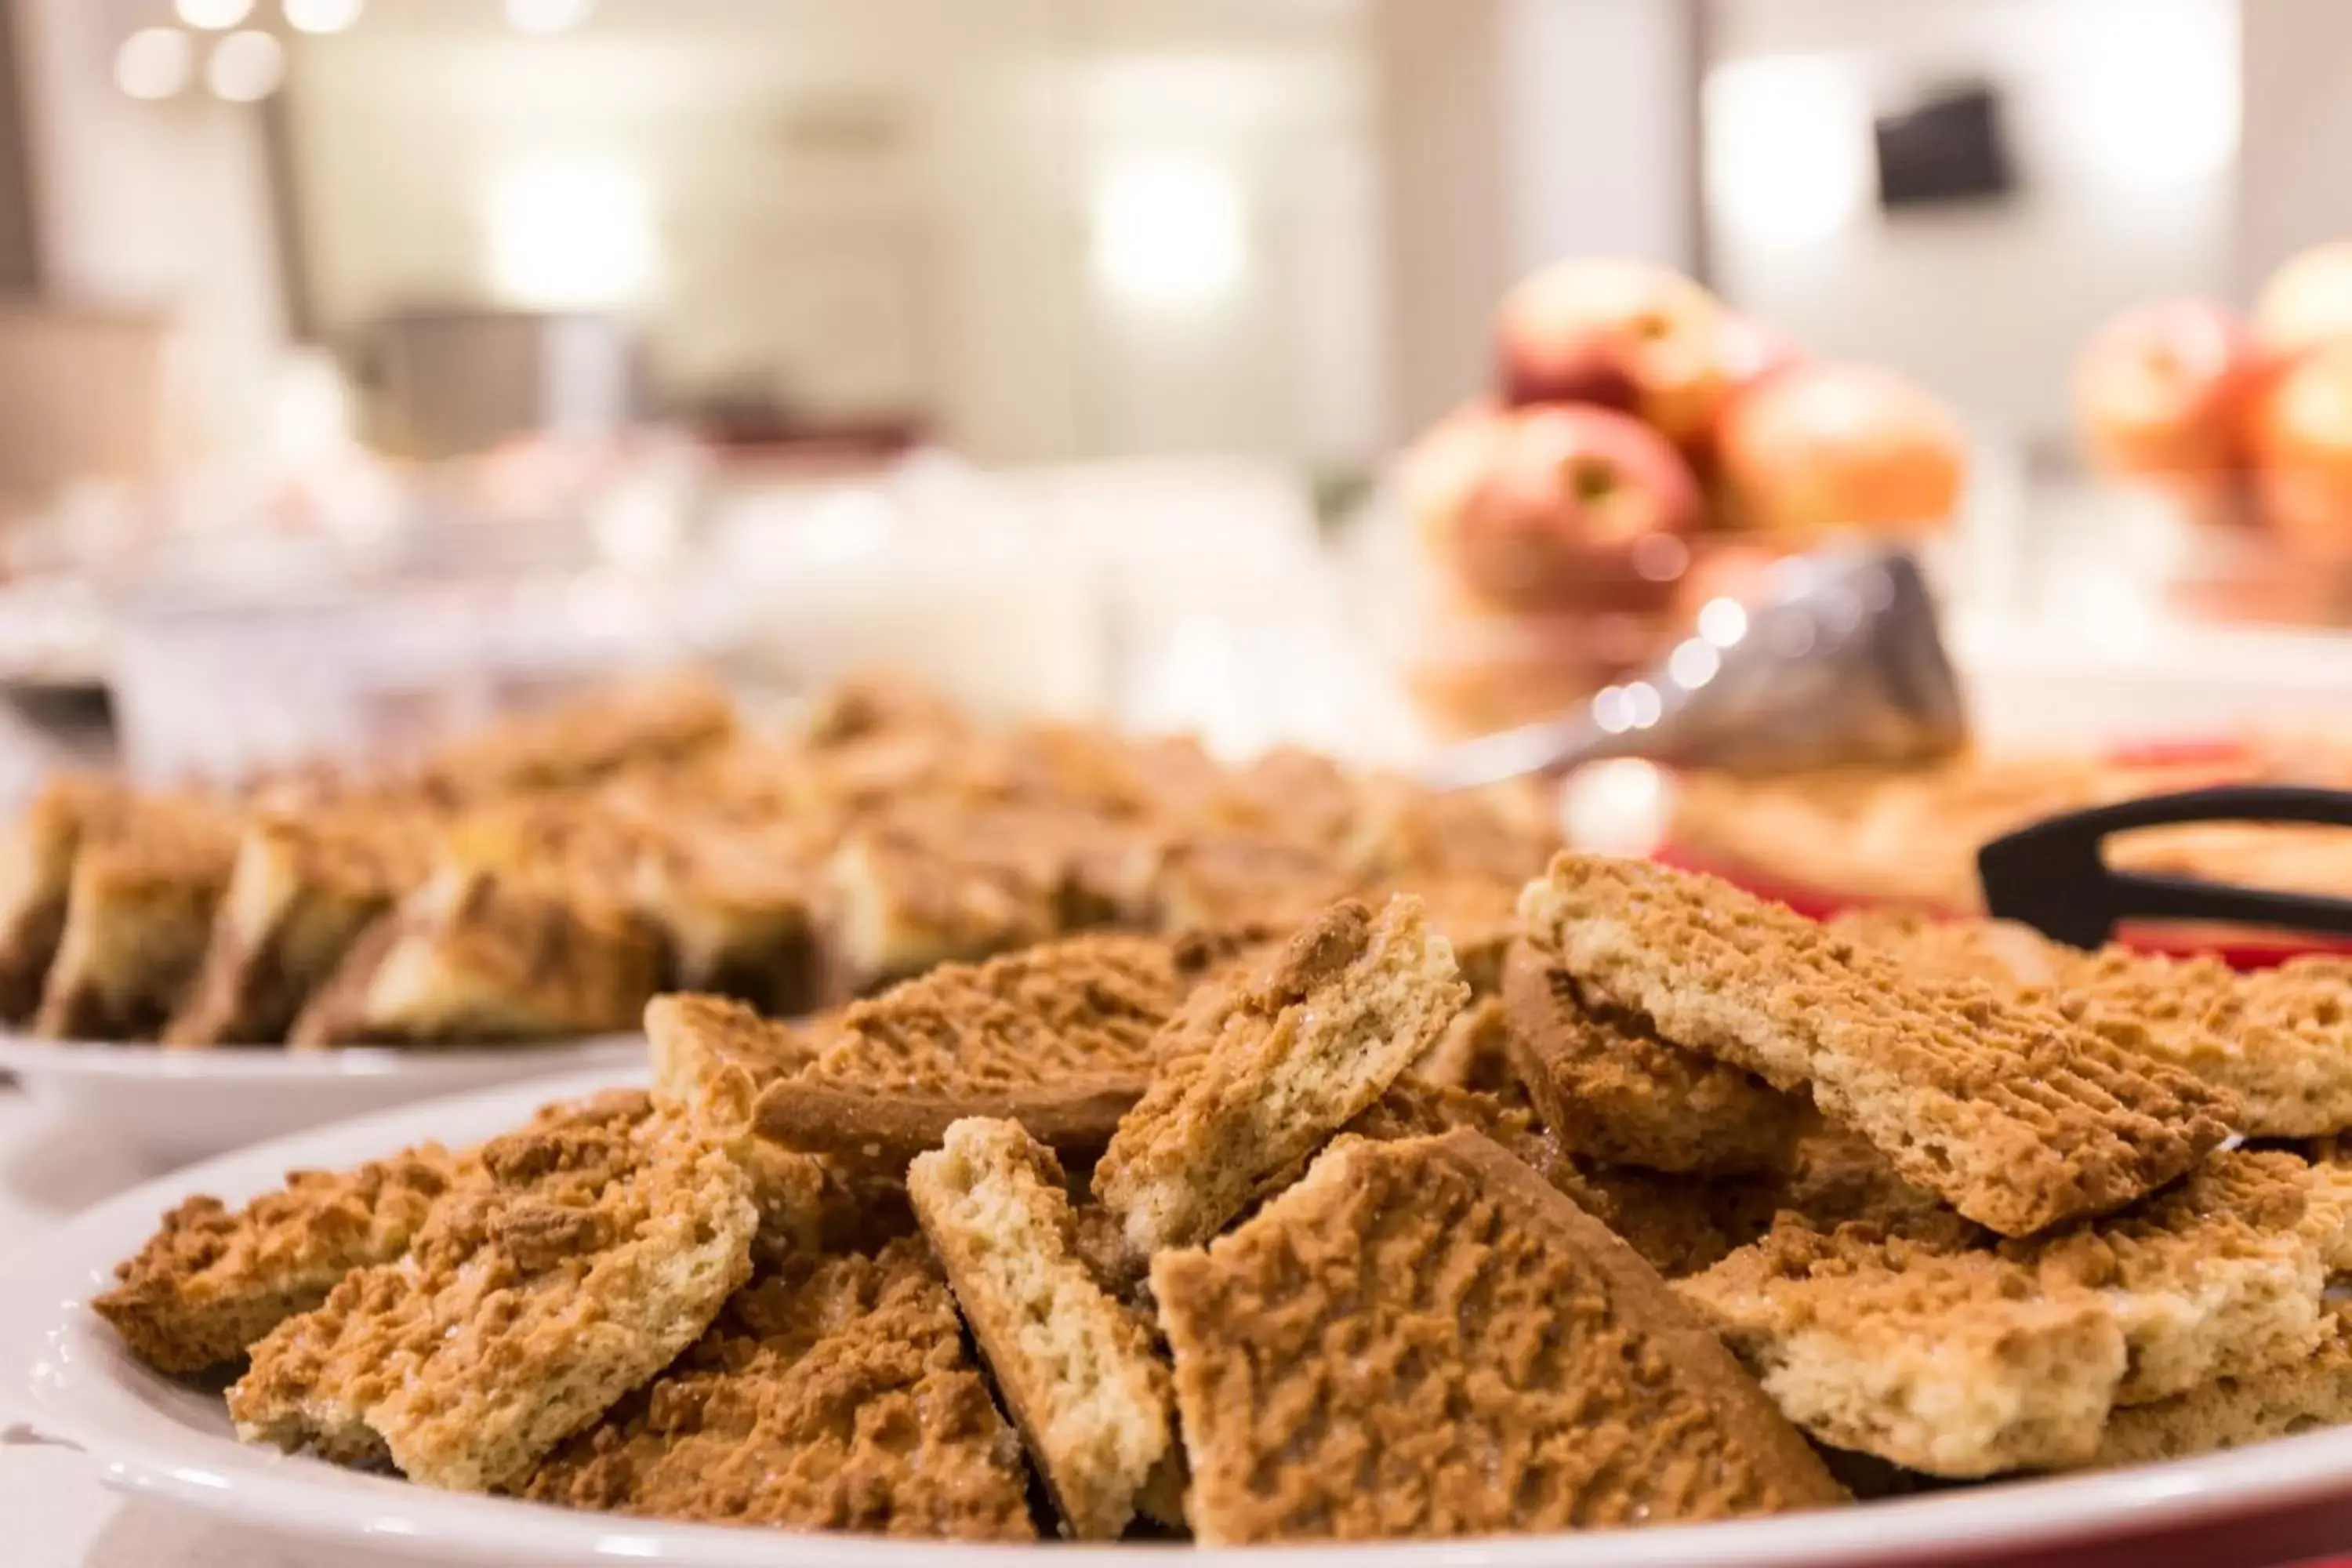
2052	876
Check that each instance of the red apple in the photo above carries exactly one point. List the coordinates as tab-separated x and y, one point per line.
1622	334
2301	433
1447	463
2307	302
1820	448
1753	352
1579	508
2161	391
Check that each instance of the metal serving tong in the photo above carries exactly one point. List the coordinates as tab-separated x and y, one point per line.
2052	876
1842	663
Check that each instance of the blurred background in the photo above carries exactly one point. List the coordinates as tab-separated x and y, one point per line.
1357	371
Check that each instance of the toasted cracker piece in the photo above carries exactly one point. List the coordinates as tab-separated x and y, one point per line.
1259	1071
2280	1039
835	1394
2232	1412
211	1282
477	955
1952	1363
1059	1037
1479	915
1964	1361
1423	1338
596	1249
2017	1116
2217	1275
1076	1367
1401	830
1615	1092
37	862
705	1049
138	914
303	889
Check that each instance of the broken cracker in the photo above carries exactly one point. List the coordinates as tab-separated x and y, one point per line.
2233	1411
835	1394
1423	1338
1965	1361
211	1282
2016	1115
595	1251
1059	1037
1262	1070
1615	1092
2279	1039
1076	1368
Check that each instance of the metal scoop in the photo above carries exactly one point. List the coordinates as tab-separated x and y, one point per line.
1842	663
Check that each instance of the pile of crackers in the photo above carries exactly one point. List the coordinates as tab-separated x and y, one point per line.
1293	1226
547	878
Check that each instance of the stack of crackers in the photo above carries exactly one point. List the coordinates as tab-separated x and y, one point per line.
1291	1227
549	877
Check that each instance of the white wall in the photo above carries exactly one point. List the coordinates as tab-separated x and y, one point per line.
154	207
873	204
2122	114
2292	189
1515	133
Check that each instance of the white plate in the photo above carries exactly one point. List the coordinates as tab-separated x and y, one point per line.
172	1107
72	1380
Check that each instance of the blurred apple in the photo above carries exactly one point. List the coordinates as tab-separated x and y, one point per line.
1820	448
1447	463
1579	508
2301	433
1621	334
2307	302
1752	351
2162	391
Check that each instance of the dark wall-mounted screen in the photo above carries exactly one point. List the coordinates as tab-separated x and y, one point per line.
1947	148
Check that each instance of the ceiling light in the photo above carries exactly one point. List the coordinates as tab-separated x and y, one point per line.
245	66
212	15
1169	230
322	15
547	15
155	62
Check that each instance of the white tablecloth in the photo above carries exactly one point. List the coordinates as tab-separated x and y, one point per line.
54	1510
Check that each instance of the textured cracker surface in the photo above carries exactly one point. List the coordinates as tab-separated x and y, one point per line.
2280	1039
1424	1339
1060	1037
1257	1071
1615	1092
212	1281
1076	1368
834	1394
600	1246
2018	1116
